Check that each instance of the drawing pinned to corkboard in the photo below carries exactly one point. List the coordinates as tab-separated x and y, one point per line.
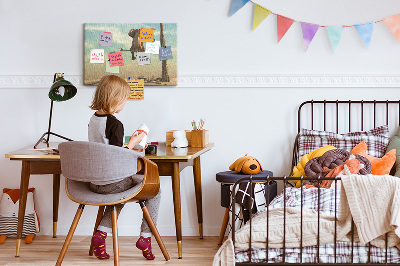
134	49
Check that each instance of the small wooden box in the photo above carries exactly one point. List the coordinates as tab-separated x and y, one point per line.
200	138
170	138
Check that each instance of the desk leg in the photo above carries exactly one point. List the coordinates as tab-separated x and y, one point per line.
197	187
176	190
25	175
56	199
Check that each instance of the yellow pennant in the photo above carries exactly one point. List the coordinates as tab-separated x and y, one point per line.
260	13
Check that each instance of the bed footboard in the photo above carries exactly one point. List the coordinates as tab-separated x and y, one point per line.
353	256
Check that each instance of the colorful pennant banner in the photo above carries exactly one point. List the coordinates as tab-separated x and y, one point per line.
284	24
393	23
309	30
236	5
335	35
260	14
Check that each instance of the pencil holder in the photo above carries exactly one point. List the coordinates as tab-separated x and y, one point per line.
199	138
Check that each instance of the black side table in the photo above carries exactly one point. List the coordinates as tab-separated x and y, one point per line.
229	178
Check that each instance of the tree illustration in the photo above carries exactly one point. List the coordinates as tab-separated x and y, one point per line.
164	73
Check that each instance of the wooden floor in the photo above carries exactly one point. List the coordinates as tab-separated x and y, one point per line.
44	250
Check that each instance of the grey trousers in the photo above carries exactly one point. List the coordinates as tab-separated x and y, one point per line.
120	186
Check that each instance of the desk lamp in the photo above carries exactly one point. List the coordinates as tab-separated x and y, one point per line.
61	90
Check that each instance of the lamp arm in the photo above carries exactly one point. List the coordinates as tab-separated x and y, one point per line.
48	133
50	116
43	138
51	111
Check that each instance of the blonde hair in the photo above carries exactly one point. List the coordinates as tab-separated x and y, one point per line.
109	93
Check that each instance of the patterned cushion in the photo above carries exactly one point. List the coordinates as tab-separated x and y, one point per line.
377	139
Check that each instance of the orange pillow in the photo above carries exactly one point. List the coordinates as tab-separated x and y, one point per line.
380	166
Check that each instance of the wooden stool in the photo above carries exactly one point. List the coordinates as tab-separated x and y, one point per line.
229	178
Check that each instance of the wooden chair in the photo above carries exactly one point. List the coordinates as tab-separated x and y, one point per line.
83	162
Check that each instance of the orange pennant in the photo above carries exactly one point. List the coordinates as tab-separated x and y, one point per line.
283	25
393	23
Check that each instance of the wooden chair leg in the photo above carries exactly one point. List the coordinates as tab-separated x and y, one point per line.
154	230
70	234
115	235
223	227
98	220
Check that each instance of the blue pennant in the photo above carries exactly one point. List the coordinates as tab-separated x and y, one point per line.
365	32
236	5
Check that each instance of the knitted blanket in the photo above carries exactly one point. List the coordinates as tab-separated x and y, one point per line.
225	255
372	201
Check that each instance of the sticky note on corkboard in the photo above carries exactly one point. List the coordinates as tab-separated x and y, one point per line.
137	88
146	35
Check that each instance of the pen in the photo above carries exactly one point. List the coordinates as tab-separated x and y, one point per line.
194	125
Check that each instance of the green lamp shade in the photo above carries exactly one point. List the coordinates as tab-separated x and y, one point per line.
62	90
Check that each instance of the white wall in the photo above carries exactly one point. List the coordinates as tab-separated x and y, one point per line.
40	38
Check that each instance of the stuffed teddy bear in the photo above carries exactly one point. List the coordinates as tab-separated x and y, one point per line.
9	205
180	140
246	165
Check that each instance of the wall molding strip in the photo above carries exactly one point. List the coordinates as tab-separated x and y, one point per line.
302	81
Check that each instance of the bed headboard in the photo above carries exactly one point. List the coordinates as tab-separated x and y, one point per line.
347	116
347	113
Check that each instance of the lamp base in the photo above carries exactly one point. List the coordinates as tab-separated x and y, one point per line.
46	140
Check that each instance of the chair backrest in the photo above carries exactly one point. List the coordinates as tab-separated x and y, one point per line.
93	162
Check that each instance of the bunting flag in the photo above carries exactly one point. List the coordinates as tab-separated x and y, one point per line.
283	24
309	31
236	5
335	35
260	13
365	32
393	23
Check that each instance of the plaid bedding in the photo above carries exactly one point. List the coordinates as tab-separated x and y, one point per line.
326	252
377	140
310	199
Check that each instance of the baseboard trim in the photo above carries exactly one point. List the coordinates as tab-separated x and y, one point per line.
242	81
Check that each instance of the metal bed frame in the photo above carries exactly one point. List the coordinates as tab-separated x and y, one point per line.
338	106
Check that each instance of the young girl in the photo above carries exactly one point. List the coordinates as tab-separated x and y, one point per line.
110	98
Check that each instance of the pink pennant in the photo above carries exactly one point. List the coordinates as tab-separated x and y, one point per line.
309	31
283	25
393	23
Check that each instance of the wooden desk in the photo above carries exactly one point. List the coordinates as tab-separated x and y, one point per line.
170	162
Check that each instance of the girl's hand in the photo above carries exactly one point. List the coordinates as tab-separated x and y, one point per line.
135	139
141	150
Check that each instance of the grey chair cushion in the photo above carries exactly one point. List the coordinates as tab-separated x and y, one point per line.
96	162
79	191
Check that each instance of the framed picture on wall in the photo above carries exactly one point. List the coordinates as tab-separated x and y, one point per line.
145	51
